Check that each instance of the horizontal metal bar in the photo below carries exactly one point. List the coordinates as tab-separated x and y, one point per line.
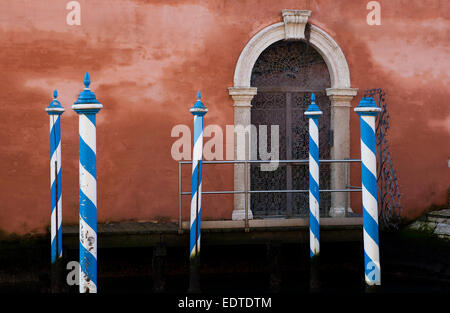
214	192
353	187
275	191
272	161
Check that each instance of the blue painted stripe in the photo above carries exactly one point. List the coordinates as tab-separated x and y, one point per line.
53	191
314	187
198	128
194	181
313	149
369	180
370	225
88	211
88	158
55	136
59	185
316	120
88	264
368	271
368	136
192	233
52	200
314	226
59	240
91	117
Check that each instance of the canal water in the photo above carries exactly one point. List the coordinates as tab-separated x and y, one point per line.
410	262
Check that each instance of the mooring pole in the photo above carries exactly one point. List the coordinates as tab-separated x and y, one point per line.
87	107
313	113
55	110
367	110
198	110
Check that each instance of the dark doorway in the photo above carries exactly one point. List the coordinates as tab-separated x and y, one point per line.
286	74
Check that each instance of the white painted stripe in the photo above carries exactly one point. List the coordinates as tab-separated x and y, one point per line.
53	225
313	203
86	284
314	243
88	184
371	249
314	168
369	203
87	132
313	130
53	119
54	158
194	204
60	212
369	159
370	120
198	246
88	238
197	155
193	208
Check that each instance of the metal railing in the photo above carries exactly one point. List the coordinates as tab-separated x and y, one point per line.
246	190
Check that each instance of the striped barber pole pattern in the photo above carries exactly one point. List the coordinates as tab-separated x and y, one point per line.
55	110
198	110
367	110
87	107
313	112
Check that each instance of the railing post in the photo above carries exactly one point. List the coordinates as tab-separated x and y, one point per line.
247	229
198	110
367	110
87	106
180	201
55	110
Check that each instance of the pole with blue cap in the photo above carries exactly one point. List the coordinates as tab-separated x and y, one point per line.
368	110
55	110
87	106
313	113
198	110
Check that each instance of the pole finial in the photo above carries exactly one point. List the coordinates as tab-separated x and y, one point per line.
55	94
199	108
87	80
313	110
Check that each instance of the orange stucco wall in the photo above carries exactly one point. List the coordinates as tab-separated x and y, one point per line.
147	59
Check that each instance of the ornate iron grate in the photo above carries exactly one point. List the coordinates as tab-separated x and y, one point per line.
286	73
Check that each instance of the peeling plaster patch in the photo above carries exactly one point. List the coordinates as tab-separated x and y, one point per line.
409	59
443	124
420	48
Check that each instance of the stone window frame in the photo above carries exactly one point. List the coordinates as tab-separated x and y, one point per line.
340	93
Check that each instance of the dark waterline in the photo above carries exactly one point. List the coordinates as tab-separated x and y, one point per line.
410	262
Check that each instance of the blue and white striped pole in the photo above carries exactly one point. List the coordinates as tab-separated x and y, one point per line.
198	110
87	107
55	110
313	112
367	110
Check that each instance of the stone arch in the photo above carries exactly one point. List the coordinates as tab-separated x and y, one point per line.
319	39
340	93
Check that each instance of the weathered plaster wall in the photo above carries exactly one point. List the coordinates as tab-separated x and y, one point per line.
147	59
